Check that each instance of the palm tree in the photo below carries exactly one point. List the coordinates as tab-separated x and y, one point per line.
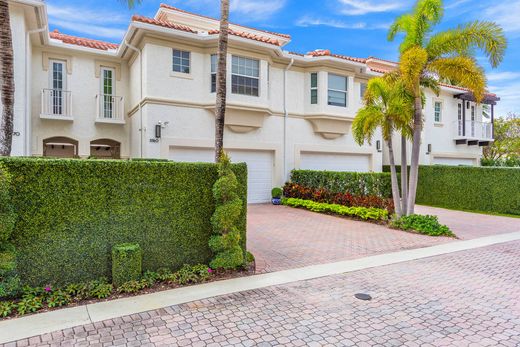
220	103
7	80
388	106
427	58
7	76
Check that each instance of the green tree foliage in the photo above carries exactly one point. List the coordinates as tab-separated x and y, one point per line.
225	242
505	150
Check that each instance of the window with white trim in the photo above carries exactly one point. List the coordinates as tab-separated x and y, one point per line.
245	76
107	92
314	88
459	119
181	61
437	115
338	87
214	62
58	84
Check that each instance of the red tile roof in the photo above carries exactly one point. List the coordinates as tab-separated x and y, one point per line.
163	23
81	41
243	26
249	36
327	53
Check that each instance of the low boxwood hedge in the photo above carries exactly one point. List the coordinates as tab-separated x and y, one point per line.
365	213
486	189
355	183
71	212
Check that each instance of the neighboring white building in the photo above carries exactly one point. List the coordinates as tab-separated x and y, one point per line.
152	96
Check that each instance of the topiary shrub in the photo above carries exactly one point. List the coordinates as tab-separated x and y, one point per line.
225	242
126	263
276	193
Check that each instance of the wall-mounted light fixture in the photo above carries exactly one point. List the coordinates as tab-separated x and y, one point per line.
378	145
429	148
158	129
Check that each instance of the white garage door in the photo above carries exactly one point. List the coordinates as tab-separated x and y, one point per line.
334	162
453	161
259	167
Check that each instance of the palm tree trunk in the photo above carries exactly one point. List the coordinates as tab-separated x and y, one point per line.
6	80
416	148
404	175
220	103
393	176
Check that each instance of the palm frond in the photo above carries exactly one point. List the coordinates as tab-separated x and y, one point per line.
130	3
431	83
412	65
486	36
367	120
465	70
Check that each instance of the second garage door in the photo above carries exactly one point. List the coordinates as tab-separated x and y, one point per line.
334	162
259	167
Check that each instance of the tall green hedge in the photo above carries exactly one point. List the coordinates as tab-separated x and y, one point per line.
355	183
71	212
486	189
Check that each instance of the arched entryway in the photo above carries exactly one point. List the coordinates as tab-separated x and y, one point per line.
60	147
105	149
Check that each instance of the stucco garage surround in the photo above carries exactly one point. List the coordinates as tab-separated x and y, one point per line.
335	161
260	166
446	160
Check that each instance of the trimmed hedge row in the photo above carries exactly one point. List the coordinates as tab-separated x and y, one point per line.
365	213
486	189
355	183
70	213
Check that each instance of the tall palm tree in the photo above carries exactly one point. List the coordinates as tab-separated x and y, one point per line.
7	76
427	58
6	80
220	103
388	106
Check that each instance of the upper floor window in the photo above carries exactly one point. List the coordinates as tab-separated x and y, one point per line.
58	75
107	91
214	62
437	116
338	86
362	89
181	61
245	76
314	88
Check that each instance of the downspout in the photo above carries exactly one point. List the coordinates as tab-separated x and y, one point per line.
133	48
285	116
28	118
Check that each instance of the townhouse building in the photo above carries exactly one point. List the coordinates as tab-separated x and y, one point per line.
153	96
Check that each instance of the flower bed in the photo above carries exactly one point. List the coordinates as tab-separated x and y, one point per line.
365	213
323	195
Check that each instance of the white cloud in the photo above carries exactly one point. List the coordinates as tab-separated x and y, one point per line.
505	14
455	3
308	21
360	7
88	22
509	94
256	9
503	76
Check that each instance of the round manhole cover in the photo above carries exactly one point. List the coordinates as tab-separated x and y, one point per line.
362	296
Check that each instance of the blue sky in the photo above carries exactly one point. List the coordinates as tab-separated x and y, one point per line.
351	27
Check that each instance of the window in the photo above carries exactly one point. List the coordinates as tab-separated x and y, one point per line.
437	112
245	76
214	62
107	92
459	118
57	85
362	89
314	88
181	61
338	86
473	120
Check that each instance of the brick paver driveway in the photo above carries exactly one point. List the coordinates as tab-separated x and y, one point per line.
282	237
467	298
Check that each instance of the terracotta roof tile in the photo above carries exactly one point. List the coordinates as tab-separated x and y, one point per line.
249	36
243	26
327	53
163	23
81	41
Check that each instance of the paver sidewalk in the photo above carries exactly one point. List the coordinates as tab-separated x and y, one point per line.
468	298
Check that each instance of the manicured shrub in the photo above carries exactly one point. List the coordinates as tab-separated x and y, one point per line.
126	263
354	183
6	308
276	193
71	212
9	279
364	213
486	189
293	190
423	224
7	215
225	242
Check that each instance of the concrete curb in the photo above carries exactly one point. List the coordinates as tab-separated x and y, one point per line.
24	327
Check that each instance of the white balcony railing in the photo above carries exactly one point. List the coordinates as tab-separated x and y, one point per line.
110	109
474	130
56	104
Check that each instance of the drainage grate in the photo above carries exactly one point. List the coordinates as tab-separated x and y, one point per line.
362	296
